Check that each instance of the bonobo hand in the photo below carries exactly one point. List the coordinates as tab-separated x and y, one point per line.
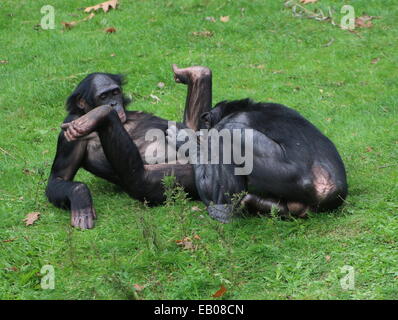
85	124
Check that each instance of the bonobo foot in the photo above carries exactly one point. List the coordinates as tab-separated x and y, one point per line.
83	218
190	74
223	213
85	124
255	203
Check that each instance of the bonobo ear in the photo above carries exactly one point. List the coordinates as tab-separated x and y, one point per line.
205	119
82	104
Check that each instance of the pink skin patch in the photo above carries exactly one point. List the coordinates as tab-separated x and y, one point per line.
323	182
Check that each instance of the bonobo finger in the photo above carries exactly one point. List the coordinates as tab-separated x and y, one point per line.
68	136
65	126
73	132
78	129
221	212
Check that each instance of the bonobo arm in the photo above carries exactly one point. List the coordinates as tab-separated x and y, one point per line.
61	190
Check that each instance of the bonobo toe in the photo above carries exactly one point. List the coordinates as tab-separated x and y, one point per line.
83	218
184	75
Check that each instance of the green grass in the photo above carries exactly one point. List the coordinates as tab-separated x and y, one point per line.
353	101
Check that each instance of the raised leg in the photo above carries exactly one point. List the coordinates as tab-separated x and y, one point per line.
140	182
199	95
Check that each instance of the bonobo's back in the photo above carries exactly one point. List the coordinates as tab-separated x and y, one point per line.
302	143
280	123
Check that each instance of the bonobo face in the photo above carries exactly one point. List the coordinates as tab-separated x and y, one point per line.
108	92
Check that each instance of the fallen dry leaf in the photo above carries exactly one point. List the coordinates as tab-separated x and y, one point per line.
3	61
12	269
220	292
110	30
375	60
224	19
104	6
257	66
196	208
327	258
69	25
308	1
138	288
9	240
369	149
196	237
186	243
364	21
203	33
27	171
31	218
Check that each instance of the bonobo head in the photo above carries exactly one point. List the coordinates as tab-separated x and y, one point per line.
221	110
98	89
211	118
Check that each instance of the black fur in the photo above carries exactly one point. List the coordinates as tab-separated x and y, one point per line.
288	148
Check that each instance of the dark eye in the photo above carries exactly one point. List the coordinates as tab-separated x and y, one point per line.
103	96
116	92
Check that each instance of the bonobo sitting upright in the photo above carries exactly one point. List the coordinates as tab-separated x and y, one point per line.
295	167
115	148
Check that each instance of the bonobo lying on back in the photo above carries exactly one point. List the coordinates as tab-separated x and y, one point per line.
295	167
